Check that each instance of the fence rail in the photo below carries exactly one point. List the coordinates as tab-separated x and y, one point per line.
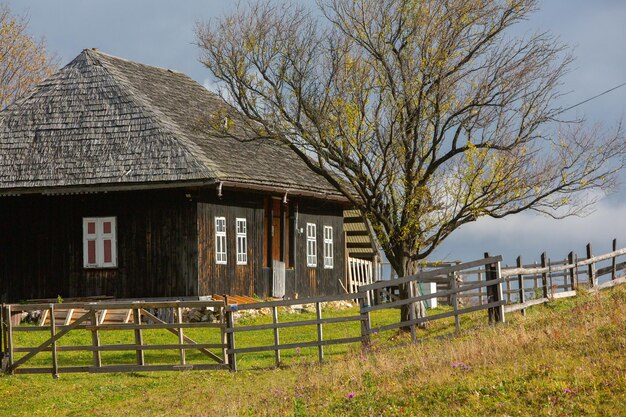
496	290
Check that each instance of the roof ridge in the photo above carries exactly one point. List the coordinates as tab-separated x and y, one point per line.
97	51
155	113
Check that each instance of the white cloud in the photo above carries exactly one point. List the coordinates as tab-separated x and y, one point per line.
529	234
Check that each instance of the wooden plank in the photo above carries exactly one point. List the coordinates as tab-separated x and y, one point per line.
164	325
609	284
44	316
530	303
564	294
283	303
103	315
123	368
124	347
138	337
299	323
584	262
95	339
68	317
276	335
320	337
53	333
437	317
168	327
437	294
122	305
430	276
296	345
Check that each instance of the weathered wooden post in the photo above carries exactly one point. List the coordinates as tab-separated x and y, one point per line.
411	286
494	292
320	337
591	268
230	327
500	308
9	342
95	339
2	337
613	263
520	283
53	332
138	337
544	275
455	301
276	335
365	318
573	271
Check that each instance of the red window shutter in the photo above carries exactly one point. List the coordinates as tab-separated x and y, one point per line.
91	228
91	252
106	227
108	258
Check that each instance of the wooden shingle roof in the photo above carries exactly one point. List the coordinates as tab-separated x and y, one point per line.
103	120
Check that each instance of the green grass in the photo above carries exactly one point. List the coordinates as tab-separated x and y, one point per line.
565	358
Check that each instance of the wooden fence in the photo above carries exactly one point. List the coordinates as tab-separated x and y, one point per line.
223	353
89	317
360	272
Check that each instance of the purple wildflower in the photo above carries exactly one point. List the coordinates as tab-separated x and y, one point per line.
351	395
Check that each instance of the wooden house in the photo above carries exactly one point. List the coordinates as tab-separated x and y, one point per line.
108	186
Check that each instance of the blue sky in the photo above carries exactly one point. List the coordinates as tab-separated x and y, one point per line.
161	33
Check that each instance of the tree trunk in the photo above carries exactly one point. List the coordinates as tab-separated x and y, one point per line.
409	290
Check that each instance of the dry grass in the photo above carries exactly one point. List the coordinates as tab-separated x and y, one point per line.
566	358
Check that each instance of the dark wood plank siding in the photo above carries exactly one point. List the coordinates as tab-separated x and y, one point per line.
41	245
231	278
308	281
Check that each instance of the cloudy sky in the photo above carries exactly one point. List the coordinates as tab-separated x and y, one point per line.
161	33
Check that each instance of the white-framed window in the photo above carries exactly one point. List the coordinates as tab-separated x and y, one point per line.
311	245
220	240
99	242
328	247
242	241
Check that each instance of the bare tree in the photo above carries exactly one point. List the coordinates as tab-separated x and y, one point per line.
426	114
24	61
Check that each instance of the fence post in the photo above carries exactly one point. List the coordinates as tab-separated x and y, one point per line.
455	302
320	338
613	263
9	327
572	271
230	325
138	337
95	340
499	309
412	311
591	268
2	338
544	275
520	283
276	335
181	336
53	332
494	292
365	319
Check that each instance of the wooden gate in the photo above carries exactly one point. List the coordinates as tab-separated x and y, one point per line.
58	321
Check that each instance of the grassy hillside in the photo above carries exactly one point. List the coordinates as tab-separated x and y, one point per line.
566	358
